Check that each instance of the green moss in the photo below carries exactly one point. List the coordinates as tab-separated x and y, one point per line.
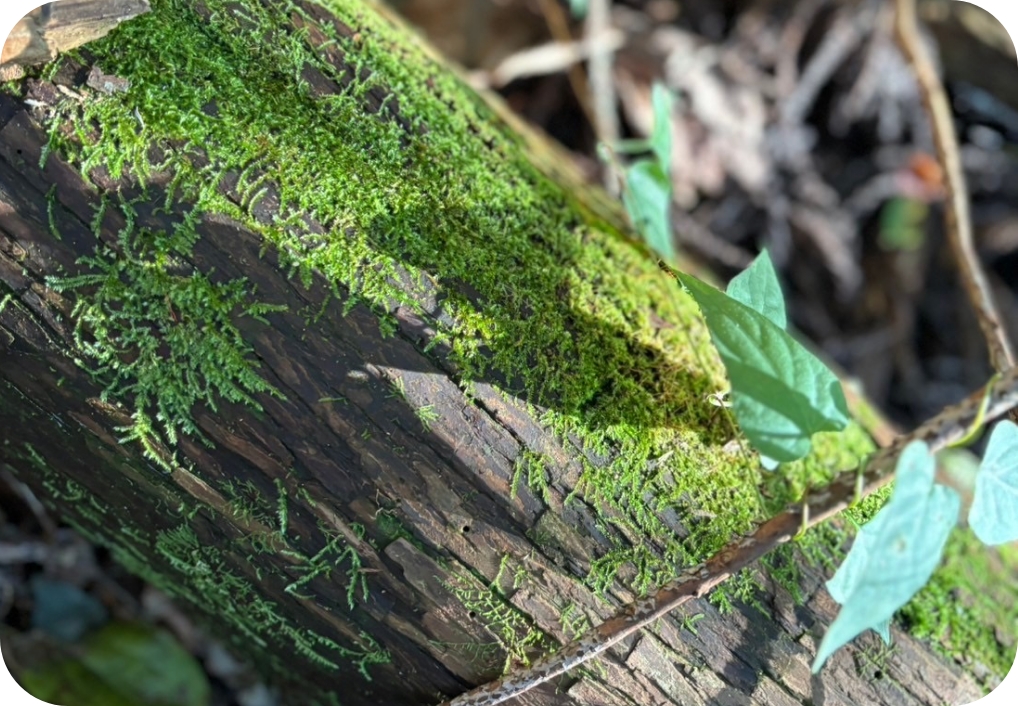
246	503
427	415
532	467
159	335
519	638
968	609
446	196
198	573
215	587
574	623
429	188
332	556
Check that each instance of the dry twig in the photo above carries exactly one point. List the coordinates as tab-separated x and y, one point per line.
558	25
602	87
956	207
951	425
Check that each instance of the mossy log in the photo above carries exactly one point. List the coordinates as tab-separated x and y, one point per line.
318	341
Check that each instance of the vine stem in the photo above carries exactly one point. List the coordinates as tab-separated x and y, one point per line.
957	218
995	399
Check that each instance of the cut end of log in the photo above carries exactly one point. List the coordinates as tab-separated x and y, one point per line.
60	26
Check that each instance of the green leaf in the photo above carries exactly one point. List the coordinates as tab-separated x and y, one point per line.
781	393
647	194
661	137
894	554
994	513
757	287
647	198
123	664
70	682
578	8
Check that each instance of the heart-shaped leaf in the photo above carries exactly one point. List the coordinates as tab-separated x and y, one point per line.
894	554
781	393
994	513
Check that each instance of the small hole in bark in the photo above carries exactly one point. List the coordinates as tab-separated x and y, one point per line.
471	615
878	675
466	528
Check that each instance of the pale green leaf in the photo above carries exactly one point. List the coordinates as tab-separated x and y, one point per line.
994	513
781	393
853	568
898	550
647	198
883	628
757	287
661	137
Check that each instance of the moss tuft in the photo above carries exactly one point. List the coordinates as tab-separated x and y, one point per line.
158	334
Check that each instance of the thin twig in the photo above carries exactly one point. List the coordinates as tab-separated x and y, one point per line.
956	207
558	25
602	85
951	425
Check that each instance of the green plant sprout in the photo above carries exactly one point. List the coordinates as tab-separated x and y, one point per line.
647	191
782	395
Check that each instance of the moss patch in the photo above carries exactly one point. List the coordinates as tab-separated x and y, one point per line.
160	335
969	608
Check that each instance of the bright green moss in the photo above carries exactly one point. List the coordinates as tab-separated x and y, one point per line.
448	196
335	553
202	576
516	635
215	587
159	335
430	188
968	609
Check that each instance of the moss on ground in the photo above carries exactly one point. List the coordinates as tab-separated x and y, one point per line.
417	180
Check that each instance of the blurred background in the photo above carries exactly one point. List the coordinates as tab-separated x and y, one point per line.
797	126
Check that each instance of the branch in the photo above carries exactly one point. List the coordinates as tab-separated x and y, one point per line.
956	207
1000	396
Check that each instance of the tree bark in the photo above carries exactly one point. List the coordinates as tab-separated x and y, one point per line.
474	420
59	27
